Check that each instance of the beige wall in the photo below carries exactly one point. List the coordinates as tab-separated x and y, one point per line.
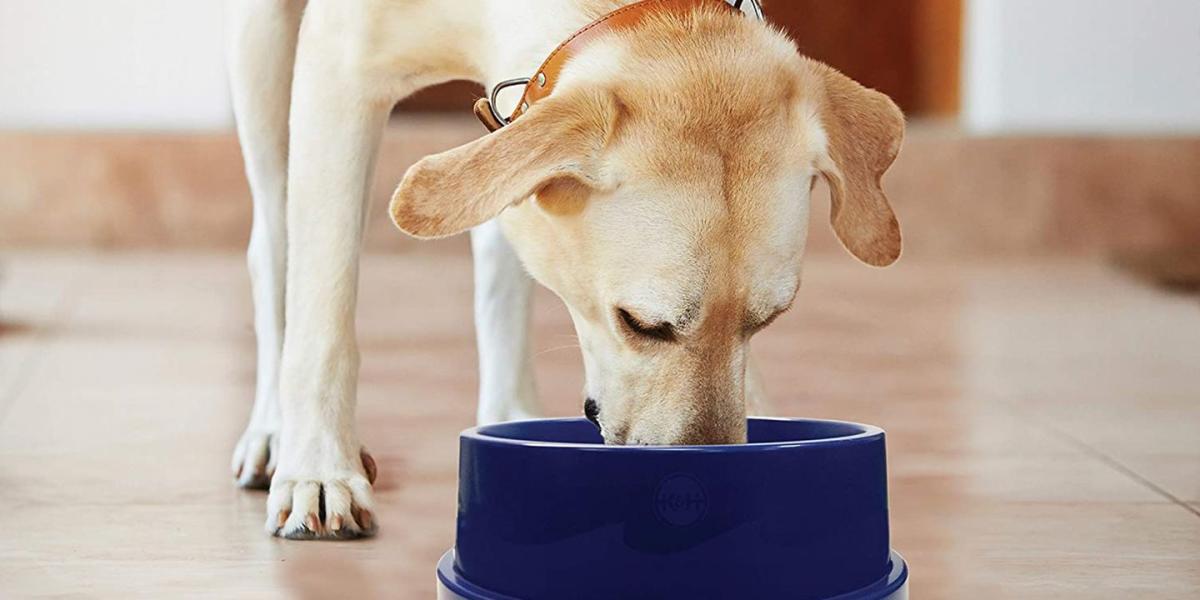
1082	66
112	64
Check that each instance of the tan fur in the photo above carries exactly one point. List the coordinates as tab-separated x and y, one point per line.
560	140
672	181
865	129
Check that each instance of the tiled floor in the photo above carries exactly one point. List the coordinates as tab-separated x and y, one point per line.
1043	420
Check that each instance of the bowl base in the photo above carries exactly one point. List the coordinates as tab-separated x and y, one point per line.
452	586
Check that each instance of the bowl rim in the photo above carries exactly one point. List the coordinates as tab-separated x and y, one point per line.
892	586
866	434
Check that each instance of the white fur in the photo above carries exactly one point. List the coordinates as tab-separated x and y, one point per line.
312	95
502	305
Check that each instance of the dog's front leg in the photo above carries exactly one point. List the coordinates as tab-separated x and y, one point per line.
337	117
502	305
262	46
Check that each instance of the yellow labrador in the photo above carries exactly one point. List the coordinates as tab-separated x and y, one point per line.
662	191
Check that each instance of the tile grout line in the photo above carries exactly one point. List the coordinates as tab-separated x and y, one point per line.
1108	460
1120	467
41	341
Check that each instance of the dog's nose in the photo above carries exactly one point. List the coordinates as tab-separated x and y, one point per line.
591	410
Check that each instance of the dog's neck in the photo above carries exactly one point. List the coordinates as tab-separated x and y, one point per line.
525	33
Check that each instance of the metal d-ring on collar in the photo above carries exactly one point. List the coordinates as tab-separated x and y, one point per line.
751	8
503	85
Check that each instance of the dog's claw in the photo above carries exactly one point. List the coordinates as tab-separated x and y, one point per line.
312	523
369	466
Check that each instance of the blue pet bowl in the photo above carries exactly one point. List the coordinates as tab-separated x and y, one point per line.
547	512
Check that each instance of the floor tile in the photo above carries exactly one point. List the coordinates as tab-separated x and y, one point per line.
1027	405
35	292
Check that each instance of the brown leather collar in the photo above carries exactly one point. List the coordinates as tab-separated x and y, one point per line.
545	79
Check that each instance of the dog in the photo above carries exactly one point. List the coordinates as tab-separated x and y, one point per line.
662	192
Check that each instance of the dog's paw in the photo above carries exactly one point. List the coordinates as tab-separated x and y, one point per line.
493	411
493	417
254	458
333	502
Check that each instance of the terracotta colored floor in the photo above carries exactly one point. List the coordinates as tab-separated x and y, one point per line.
1043	420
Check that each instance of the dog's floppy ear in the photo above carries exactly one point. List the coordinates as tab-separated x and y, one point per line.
863	131
448	193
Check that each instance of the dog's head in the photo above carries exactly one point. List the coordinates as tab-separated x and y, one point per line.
663	194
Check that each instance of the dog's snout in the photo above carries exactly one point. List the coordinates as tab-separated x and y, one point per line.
591	410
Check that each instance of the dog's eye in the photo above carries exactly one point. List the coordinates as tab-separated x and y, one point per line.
663	332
